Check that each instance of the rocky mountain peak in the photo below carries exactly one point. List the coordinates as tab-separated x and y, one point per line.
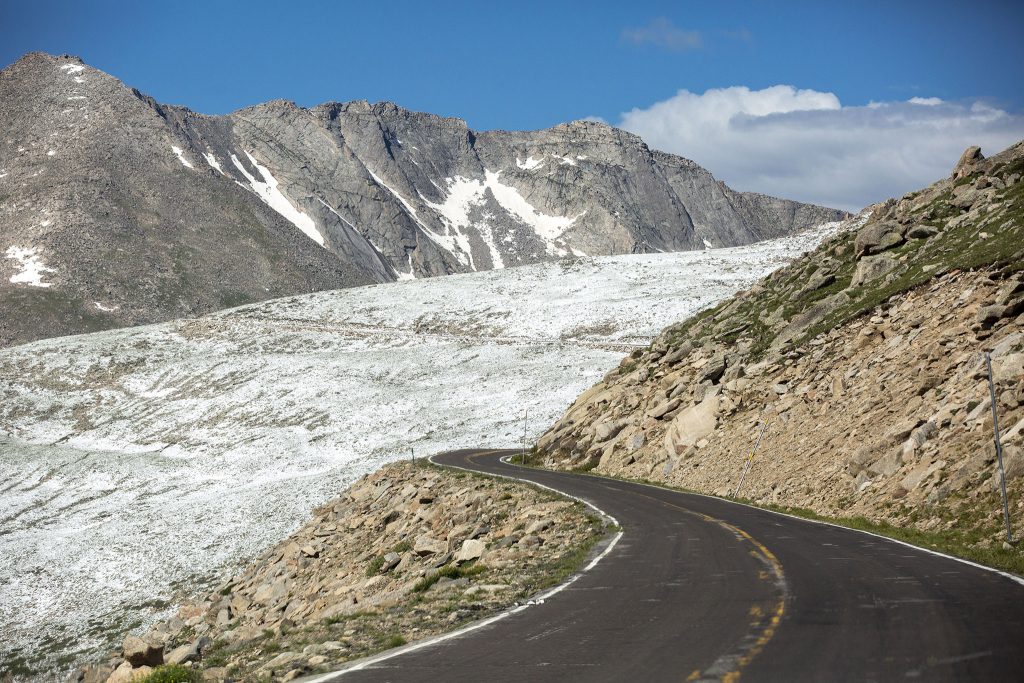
137	211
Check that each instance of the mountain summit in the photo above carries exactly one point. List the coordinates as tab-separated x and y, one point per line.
118	210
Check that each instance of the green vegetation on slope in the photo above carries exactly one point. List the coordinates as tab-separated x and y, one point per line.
939	230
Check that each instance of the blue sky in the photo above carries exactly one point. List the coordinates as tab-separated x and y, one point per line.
523	64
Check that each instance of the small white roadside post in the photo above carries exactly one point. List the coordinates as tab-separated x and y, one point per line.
750	459
526	414
999	447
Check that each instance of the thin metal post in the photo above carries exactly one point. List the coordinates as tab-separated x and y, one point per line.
999	447
526	414
750	459
413	451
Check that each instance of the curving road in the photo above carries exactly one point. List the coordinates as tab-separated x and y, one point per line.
698	588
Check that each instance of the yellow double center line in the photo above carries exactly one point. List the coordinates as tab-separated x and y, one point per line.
765	619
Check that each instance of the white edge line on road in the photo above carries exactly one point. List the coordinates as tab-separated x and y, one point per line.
1008	575
375	659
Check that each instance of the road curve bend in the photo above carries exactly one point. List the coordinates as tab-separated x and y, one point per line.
702	589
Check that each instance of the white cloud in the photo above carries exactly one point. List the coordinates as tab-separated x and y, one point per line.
663	33
804	144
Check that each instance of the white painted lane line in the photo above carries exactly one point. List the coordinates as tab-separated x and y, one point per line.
361	664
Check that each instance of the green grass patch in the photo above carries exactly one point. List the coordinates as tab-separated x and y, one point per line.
393	640
450	571
375	565
172	673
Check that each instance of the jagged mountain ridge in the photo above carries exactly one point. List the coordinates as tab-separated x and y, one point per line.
118	210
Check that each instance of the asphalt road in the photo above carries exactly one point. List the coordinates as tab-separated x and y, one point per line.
698	588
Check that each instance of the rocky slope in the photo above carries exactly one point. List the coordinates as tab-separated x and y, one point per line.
406	553
864	358
117	210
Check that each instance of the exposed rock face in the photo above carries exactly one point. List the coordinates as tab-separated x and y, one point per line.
866	360
117	210
406	553
968	160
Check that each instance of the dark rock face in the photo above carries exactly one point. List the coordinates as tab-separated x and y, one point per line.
116	210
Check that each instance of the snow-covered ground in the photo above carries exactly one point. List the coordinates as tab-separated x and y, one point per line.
137	463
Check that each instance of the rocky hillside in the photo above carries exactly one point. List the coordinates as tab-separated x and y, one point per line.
118	210
407	552
864	358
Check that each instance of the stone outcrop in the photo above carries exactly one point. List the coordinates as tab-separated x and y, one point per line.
864	358
407	552
971	157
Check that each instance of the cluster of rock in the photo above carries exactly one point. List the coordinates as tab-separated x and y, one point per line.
408	552
865	359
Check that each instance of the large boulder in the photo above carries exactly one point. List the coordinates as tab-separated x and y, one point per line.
713	370
659	411
428	545
141	652
606	430
887	465
692	425
872	267
191	652
1008	369
126	673
966	196
471	550
1013	462
919	474
680	353
968	160
877	237
810	317
922	231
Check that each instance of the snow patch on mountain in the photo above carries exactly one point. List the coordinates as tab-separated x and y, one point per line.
465	194
457	245
411	275
268	191
31	267
211	159
548	228
530	163
181	156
